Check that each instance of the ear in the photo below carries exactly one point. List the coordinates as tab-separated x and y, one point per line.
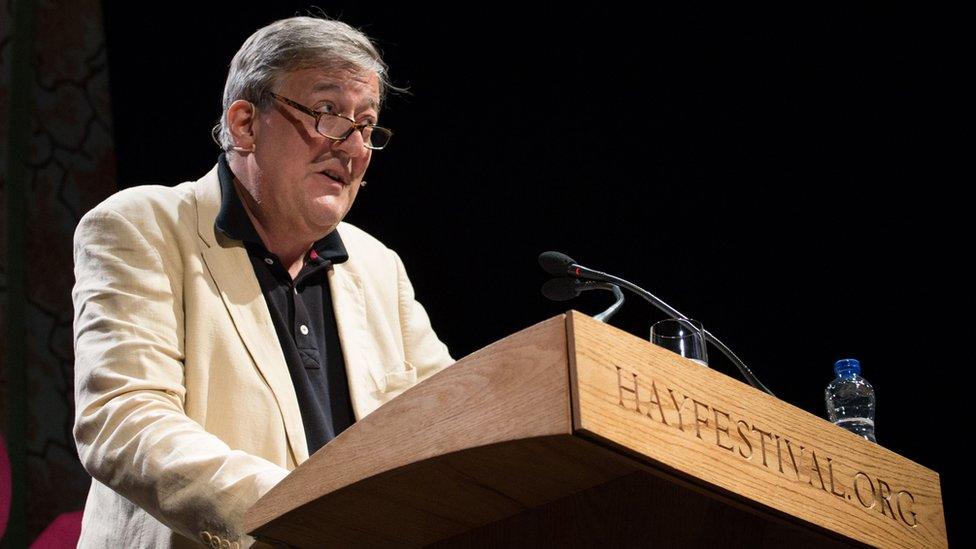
241	123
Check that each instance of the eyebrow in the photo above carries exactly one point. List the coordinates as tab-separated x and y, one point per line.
325	85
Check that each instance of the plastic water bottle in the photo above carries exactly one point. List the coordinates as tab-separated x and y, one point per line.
850	399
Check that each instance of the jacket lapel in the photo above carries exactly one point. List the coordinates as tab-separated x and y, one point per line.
365	373
234	277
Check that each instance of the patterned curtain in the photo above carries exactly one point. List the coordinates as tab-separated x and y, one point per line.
71	167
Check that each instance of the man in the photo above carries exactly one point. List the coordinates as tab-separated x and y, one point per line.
227	328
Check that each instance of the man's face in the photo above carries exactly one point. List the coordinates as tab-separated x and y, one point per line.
305	181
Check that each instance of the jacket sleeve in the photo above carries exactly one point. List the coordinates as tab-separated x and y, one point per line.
423	350
130	426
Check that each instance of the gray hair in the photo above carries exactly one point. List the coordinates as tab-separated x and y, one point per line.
294	44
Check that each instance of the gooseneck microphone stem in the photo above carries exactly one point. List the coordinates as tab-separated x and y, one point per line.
568	287
580	271
612	309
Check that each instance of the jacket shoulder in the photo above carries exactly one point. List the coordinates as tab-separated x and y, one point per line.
145	202
164	218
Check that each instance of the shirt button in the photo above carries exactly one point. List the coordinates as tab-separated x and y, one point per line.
269	261
303	329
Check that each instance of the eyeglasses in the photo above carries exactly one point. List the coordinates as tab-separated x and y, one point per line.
338	127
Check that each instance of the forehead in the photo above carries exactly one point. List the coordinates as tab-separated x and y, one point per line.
359	86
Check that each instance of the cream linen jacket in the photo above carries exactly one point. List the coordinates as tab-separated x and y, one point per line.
185	410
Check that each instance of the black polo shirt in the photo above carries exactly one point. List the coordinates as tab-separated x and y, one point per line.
303	317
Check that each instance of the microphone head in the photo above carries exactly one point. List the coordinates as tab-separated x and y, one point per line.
555	263
561	289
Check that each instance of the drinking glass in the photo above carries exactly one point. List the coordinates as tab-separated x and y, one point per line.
685	337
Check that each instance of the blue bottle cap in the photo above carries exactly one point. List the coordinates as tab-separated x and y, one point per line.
847	367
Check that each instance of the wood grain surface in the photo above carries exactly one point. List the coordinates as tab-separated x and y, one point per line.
516	388
641	510
573	433
746	443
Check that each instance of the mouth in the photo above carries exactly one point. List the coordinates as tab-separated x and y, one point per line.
336	176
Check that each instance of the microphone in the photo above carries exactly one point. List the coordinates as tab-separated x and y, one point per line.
555	263
560	264
561	289
566	288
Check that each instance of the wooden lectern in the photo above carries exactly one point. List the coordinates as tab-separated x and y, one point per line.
572	433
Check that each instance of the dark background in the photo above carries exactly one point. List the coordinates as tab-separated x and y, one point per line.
781	176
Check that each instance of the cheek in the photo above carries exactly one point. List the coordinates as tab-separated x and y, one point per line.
353	191
360	164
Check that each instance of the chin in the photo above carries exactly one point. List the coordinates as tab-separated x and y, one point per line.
329	209
324	222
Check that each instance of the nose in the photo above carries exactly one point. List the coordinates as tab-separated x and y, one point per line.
352	146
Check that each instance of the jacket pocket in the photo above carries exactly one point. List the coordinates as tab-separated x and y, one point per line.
399	379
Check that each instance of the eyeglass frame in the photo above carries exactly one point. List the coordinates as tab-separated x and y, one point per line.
317	115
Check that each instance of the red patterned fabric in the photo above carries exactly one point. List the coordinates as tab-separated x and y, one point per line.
63	532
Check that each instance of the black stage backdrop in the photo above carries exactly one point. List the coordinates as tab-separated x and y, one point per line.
777	175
